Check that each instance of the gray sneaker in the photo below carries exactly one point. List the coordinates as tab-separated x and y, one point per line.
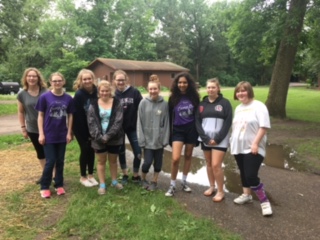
242	199
185	187
170	191
152	187
145	184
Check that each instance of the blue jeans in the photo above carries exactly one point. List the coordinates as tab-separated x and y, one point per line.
154	156
54	156
133	139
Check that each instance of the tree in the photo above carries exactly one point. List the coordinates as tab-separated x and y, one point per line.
278	91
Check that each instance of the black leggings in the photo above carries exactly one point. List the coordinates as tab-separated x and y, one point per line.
155	156
249	165
86	156
34	137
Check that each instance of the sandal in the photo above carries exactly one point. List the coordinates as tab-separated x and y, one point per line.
218	197
210	191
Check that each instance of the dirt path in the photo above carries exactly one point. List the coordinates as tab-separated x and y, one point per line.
295	198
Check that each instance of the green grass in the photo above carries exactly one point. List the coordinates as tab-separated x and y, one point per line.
7	109
133	213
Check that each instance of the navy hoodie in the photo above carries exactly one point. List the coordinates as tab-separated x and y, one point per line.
130	99
82	100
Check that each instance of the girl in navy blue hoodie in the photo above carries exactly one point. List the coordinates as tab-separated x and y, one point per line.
86	92
213	122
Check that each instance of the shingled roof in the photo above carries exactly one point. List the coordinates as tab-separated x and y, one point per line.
131	65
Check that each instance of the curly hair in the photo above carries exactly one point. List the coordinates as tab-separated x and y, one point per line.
78	82
41	81
191	93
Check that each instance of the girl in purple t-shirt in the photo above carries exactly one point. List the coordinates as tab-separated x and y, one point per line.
183	102
55	125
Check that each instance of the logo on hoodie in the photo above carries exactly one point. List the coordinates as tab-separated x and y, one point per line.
218	108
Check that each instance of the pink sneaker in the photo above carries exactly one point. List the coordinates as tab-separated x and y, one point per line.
45	193
60	191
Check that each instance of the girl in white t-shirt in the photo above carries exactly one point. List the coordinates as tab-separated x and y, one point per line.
248	143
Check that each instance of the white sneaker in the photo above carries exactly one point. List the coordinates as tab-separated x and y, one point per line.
242	199
185	187
170	191
266	208
86	183
93	181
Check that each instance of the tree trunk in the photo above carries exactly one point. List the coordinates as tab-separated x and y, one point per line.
278	91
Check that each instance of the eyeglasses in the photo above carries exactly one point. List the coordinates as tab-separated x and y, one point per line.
120	80
56	81
32	76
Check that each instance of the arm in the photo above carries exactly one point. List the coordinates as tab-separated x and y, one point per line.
40	126
140	134
22	120
255	144
226	124
166	128
70	122
198	121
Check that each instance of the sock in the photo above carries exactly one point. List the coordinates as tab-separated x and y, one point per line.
173	183
259	191
184	178
114	182
102	185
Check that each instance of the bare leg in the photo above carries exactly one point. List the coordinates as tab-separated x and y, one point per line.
187	158
113	165
155	177
210	190
176	154
101	167
217	159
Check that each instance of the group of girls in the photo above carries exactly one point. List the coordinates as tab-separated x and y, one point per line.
102	115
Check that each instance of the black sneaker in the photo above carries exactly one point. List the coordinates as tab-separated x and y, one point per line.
136	179
124	179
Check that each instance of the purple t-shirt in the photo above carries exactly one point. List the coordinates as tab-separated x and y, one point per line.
183	112
56	110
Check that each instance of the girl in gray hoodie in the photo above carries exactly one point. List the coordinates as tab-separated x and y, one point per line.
153	131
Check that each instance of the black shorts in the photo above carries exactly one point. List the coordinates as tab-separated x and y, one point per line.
110	149
186	133
34	137
206	148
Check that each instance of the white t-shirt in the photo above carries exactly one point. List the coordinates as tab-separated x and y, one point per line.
246	123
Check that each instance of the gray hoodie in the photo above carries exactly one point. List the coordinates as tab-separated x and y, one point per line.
153	123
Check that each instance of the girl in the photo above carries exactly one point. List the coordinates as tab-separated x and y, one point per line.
130	98
213	121
183	102
152	131
86	92
248	144
33	86
55	123
105	127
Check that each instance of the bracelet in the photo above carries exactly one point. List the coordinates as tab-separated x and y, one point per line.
23	126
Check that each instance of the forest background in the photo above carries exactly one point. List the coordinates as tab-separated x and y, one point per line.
265	42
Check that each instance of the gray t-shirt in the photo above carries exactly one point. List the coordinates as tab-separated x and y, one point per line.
30	113
246	123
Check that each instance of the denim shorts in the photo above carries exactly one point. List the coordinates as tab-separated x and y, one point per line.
110	149
186	133
206	148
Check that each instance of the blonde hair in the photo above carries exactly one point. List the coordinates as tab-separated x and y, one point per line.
41	81
78	83
107	84
154	79
57	74
214	80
